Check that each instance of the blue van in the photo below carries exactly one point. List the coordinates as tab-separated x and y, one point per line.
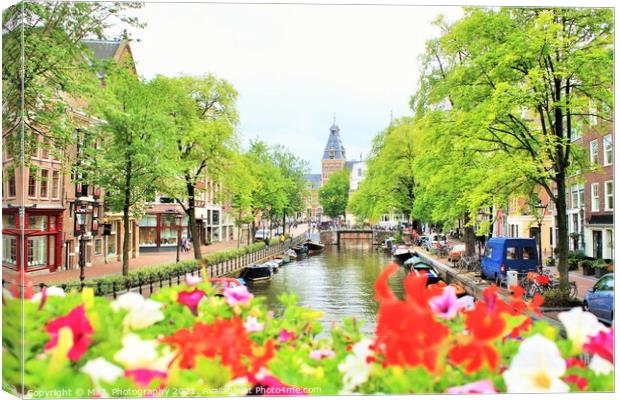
508	254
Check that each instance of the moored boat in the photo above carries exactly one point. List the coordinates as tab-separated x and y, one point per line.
314	247
403	253
257	272
420	268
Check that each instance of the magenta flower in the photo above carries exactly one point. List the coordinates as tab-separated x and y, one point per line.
191	299
602	344
321	354
446	304
252	325
237	295
483	386
143	377
285	336
80	327
191	280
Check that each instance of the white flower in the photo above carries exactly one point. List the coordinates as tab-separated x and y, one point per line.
142	354
580	325
600	366
355	368
141	312
127	301
537	367
252	325
50	291
100	370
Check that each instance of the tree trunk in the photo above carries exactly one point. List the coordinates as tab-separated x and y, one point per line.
284	222
562	234
126	228
193	226
469	236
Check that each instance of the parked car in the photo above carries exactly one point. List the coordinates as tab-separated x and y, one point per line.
261	234
600	299
456	252
279	230
508	254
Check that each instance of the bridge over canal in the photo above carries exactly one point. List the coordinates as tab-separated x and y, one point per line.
354	236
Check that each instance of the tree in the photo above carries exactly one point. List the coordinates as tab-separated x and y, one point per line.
132	139
390	179
519	81
204	117
292	170
334	195
57	67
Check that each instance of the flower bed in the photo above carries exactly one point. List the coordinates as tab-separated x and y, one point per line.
191	340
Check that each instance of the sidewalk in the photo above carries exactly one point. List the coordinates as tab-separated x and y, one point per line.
144	260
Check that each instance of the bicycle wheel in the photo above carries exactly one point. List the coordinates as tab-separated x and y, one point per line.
461	266
573	289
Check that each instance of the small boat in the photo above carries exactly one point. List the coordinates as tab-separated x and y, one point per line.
300	249
257	272
403	253
275	266
314	247
284	259
291	254
387	244
421	268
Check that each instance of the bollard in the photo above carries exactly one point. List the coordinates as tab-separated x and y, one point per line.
114	289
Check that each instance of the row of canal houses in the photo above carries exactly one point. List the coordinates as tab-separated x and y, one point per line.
57	209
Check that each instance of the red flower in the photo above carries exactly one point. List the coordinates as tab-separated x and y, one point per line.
602	344
21	286
573	362
407	332
580	382
225	339
536	302
474	355
191	299
80	327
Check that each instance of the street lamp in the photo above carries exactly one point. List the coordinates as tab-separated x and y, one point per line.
81	210
541	209
178	219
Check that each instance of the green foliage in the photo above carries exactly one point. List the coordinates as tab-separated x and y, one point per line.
559	298
334	195
143	276
600	264
58	68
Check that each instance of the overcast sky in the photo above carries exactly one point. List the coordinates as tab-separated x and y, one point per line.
294	66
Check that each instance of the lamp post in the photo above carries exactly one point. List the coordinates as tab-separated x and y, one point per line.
81	210
178	219
541	209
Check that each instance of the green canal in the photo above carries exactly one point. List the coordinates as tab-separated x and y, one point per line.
339	282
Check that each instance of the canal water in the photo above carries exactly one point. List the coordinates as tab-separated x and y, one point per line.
339	282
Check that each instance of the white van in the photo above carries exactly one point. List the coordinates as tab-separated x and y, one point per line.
261	234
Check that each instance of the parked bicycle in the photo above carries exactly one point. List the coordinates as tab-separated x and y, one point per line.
468	264
540	283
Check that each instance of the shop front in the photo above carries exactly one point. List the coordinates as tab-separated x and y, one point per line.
160	231
42	245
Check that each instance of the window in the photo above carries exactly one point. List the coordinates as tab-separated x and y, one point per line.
593	114
37	251
595	206
44	177
594	151
8	220
488	252
582	196
575	196
528	253
38	222
98	247
32	183
45	149
112	240
511	253
148	231
608	150
576	130
359	172
9	250
609	195
55	184
11	186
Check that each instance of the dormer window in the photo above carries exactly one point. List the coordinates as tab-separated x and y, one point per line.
332	153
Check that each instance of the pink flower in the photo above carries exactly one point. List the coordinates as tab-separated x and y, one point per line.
143	377
191	299
237	295
191	280
285	336
446	304
252	325
483	386
602	344
321	354
80	328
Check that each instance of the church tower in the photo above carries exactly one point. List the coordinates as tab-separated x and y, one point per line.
334	157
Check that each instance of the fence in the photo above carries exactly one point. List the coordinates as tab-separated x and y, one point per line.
151	282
